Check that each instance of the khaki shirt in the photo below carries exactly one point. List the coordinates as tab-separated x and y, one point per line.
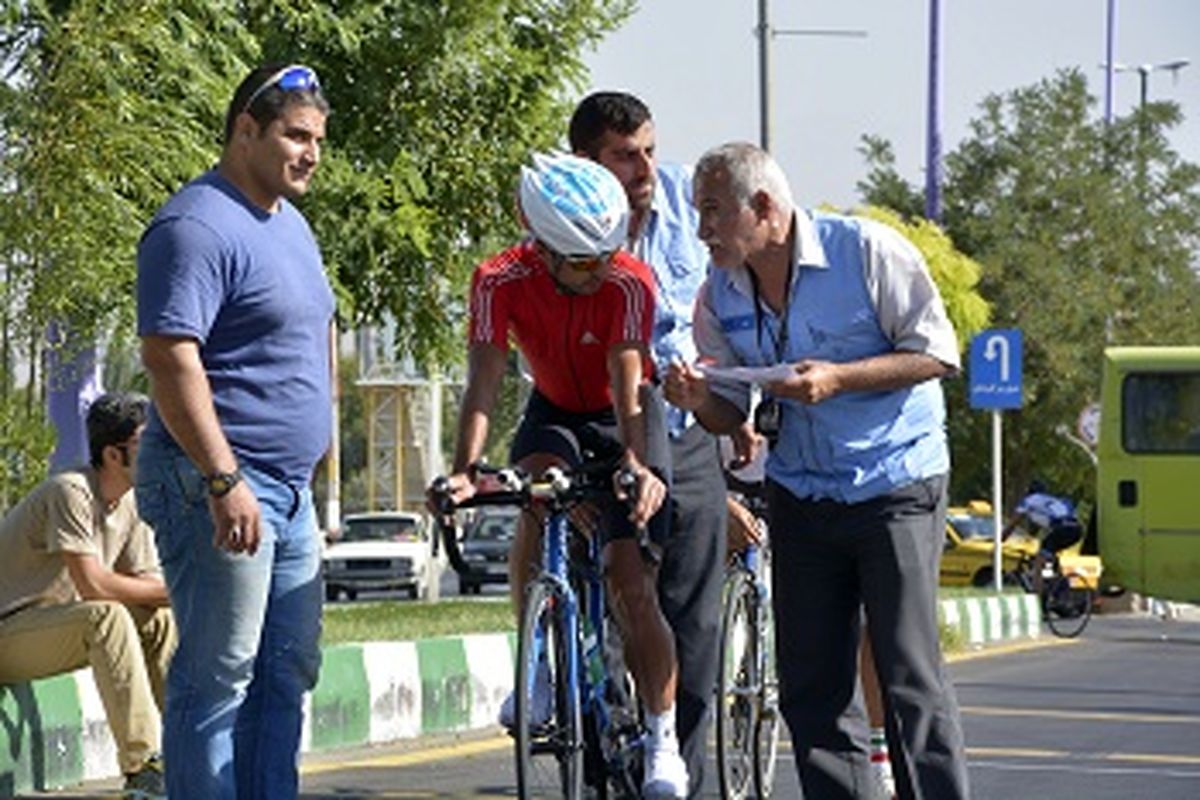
65	515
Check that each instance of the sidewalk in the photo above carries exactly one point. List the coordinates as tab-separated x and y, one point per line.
53	732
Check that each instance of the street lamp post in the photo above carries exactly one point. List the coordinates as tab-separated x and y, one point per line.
765	34
1110	39
933	122
1144	70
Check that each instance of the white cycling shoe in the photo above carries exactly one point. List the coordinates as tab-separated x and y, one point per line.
666	775
882	787
543	701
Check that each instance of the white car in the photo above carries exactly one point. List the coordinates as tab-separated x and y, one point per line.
378	550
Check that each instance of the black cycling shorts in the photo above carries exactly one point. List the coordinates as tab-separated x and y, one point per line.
574	436
1062	535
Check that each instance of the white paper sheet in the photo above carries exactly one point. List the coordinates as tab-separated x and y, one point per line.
756	375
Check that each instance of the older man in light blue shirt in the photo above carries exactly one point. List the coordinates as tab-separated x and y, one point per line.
616	130
857	472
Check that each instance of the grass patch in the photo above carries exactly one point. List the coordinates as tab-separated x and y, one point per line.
392	620
955	592
951	639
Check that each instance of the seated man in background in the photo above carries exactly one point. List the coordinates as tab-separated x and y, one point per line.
80	586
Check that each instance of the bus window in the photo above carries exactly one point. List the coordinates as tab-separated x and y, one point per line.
1161	413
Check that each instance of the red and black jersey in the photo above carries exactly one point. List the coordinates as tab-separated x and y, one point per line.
564	337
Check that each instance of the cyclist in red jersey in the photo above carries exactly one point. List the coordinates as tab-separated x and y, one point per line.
580	310
564	334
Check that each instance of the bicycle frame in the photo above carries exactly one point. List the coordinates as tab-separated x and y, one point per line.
566	580
556	568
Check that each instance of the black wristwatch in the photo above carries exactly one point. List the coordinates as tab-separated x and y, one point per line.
221	483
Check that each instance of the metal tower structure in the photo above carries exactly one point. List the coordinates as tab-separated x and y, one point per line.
404	429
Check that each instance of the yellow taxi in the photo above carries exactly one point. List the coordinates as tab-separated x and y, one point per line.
967	551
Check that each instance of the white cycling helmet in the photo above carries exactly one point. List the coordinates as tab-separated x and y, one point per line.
574	206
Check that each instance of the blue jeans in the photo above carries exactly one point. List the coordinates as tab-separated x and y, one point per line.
249	630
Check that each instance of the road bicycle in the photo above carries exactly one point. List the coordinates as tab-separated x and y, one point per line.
748	719
1067	599
591	734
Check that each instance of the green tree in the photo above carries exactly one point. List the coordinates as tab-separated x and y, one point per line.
1088	237
436	104
108	107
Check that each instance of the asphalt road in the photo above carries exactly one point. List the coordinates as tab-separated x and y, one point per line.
1112	716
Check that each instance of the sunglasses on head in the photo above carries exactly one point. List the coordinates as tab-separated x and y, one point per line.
294	78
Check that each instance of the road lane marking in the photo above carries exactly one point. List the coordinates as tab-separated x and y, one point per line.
1153	758
1093	716
502	742
1181	760
414	758
993	649
1089	768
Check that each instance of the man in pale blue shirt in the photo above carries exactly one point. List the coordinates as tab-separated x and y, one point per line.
858	469
615	129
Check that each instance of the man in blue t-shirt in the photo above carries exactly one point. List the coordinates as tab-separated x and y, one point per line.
235	312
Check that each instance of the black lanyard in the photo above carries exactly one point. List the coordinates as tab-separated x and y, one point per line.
780	341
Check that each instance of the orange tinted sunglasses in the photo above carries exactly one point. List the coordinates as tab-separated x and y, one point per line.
587	263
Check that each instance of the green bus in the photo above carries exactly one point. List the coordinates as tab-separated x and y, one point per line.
1148	491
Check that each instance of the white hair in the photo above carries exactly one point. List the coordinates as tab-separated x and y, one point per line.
750	170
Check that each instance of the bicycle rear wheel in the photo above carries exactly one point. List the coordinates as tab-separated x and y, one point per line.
549	733
768	720
737	689
1068	602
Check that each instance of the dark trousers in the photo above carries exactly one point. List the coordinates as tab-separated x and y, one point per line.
831	560
689	586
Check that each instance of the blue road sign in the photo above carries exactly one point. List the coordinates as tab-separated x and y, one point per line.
994	370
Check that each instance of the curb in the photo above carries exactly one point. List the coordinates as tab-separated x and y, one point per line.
999	618
53	732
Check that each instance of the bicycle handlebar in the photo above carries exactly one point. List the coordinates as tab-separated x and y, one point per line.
510	487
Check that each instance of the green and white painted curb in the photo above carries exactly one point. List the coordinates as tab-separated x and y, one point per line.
999	618
53	732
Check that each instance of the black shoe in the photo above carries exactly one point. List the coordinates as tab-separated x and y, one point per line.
147	783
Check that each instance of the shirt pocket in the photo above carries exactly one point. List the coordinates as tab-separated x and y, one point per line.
855	337
743	336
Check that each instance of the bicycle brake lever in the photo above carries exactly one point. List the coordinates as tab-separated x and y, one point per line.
440	488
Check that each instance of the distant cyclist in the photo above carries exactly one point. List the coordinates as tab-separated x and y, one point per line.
580	310
1056	523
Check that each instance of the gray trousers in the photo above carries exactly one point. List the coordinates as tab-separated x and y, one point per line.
689	587
831	561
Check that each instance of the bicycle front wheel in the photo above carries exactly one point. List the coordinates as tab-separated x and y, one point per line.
768	720
737	689
1068	602
549	732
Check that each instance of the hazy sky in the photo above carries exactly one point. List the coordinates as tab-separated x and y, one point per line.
695	63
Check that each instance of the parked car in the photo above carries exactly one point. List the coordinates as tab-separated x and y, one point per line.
378	550
968	549
485	547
